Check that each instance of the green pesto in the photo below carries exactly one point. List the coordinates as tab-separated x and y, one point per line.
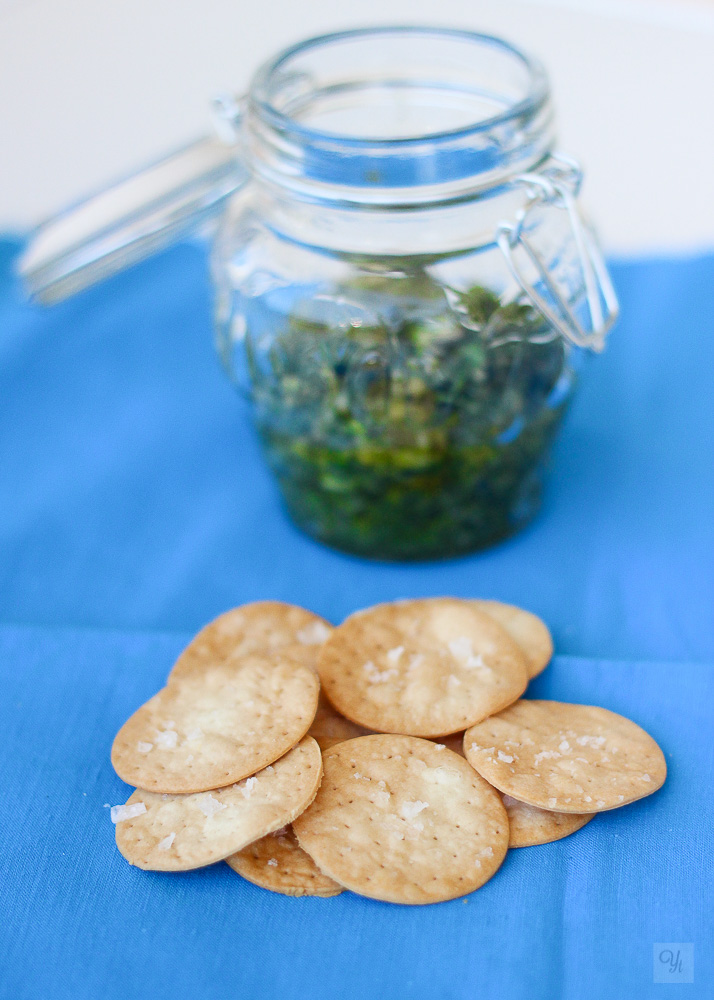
420	435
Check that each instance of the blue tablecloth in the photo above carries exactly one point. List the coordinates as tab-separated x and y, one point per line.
134	506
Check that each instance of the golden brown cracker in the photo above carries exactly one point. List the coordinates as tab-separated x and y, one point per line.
212	728
181	832
329	727
566	758
278	863
530	826
403	820
424	667
257	629
531	634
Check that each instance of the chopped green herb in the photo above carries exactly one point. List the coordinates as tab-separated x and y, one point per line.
404	420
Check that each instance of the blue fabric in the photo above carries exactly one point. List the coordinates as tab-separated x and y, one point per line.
134	506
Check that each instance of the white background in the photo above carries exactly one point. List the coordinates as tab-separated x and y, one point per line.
90	89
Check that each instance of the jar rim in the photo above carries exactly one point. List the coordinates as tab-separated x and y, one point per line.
536	96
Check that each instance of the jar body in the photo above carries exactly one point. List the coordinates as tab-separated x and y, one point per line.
406	400
404	285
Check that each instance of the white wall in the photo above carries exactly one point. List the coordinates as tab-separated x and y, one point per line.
90	89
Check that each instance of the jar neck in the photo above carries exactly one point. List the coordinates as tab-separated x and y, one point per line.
430	230
396	118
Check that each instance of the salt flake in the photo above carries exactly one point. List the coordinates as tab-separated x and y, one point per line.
375	676
165	844
506	758
118	814
167	740
144	747
461	648
409	810
210	806
273	862
590	741
393	655
313	634
247	788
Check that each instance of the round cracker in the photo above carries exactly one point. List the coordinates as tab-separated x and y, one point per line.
229	721
277	862
329	727
531	634
181	832
530	826
402	820
256	629
566	758
425	667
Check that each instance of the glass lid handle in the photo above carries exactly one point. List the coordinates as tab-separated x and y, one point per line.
182	193
558	185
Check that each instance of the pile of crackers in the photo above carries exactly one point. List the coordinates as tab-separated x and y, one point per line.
393	756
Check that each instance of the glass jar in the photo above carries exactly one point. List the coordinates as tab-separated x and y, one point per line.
405	288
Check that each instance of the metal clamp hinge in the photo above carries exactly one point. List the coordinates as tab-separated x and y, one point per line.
558	185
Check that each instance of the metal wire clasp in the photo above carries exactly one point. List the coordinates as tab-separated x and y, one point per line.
558	185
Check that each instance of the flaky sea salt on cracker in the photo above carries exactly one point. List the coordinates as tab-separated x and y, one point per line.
313	634
425	667
548	774
118	814
230	721
414	831
262	628
181	832
209	805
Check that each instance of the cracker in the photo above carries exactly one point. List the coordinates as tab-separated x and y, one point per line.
531	634
260	628
566	758
213	728
425	667
181	832
329	727
277	862
530	826
399	819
